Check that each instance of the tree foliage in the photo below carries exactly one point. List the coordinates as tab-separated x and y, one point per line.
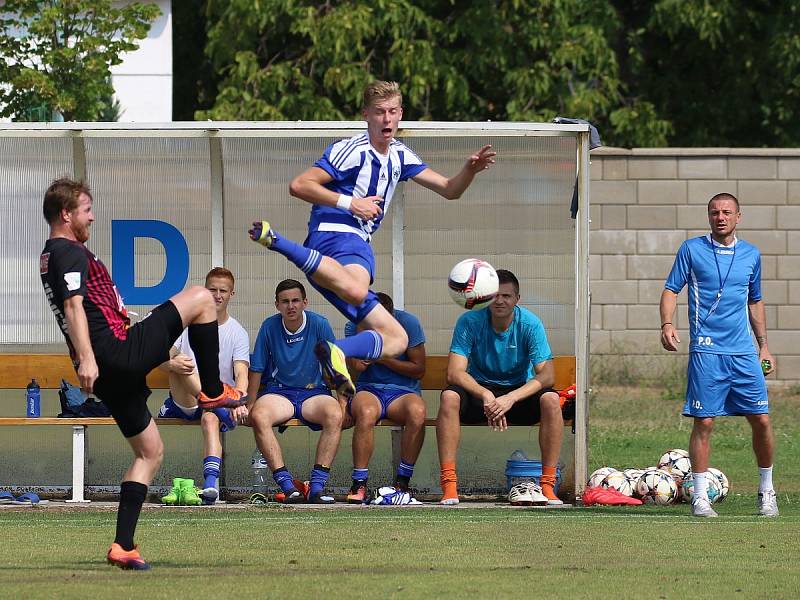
647	72
499	60
724	73
59	53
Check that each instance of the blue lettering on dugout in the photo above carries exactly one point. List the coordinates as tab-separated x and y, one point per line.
123	241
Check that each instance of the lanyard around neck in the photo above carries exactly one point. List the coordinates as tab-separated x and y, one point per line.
722	281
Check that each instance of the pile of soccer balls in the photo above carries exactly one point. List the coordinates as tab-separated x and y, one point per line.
667	483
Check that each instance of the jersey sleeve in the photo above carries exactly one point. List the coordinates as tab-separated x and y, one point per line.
538	346
70	271
324	330
679	274
260	355
241	346
181	343
463	338
411	165
413	327
754	291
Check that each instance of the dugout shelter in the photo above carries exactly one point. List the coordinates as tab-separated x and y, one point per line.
173	200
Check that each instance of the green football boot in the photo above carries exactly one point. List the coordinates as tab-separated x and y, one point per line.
189	495
174	495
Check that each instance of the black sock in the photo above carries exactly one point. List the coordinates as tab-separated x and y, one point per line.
131	498
204	340
401	483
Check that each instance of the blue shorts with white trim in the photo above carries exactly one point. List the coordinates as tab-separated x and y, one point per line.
720	385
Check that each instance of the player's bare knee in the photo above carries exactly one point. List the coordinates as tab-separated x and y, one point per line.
354	293
332	416
550	404
449	403
209	421
415	414
365	415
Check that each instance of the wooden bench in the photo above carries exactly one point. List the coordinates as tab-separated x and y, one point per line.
16	371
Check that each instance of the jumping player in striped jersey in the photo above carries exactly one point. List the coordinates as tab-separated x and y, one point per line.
351	188
724	377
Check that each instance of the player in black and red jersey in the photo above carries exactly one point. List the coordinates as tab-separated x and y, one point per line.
112	357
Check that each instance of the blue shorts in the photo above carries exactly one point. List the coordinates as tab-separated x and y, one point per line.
385	395
721	385
170	410
347	249
297	396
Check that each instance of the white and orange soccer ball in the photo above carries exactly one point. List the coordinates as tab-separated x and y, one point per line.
473	283
656	486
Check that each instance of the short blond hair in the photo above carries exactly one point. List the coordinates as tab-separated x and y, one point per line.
378	91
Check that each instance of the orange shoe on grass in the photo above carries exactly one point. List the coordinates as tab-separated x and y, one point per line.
229	398
126	559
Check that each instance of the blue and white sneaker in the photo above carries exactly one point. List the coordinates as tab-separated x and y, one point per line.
226	422
389	496
170	410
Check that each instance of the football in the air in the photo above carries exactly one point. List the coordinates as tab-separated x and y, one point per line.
473	283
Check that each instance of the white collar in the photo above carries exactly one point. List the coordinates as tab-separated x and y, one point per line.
716	243
299	329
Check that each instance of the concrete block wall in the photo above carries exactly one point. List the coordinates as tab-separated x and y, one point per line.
645	202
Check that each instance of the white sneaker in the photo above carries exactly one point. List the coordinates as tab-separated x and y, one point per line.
767	503
702	508
539	498
520	495
389	496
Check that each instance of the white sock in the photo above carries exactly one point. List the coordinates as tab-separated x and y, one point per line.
188	411
765	474
700	486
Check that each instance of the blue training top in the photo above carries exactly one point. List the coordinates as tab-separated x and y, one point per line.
361	171
286	358
503	359
718	323
381	375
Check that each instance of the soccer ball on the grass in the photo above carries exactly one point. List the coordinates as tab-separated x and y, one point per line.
597	477
617	480
473	283
712	483
724	484
657	487
676	462
633	478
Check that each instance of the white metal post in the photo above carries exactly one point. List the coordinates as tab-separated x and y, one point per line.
78	463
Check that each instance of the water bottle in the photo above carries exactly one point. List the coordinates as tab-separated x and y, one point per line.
260	472
518	455
33	400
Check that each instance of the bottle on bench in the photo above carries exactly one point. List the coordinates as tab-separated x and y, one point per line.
33	400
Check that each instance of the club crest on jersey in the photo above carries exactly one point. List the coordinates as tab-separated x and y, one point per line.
73	280
44	261
396	173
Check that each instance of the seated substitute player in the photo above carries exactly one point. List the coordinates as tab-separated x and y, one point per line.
388	388
184	382
286	382
724	377
351	187
112	357
500	371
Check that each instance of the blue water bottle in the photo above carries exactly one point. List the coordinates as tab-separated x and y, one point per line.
33	402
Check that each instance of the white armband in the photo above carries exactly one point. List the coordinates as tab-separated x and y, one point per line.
344	202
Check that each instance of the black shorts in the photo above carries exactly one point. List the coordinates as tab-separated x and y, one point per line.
124	365
525	412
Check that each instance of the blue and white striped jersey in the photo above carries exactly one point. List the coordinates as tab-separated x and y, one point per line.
721	280
359	170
